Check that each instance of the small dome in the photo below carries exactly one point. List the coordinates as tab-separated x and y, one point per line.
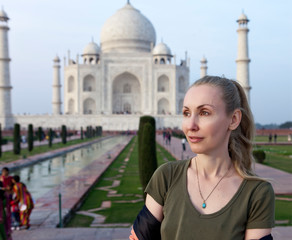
91	49
161	49
127	30
204	60
242	17
3	15
56	59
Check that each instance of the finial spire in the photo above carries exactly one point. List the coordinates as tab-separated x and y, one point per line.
128	1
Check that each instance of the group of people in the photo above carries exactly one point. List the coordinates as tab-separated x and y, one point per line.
167	137
16	204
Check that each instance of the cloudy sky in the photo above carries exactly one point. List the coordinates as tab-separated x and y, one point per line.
40	30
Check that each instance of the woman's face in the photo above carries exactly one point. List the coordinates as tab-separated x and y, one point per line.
205	122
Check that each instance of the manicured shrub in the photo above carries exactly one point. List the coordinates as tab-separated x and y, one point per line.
148	157
50	135
146	149
81	133
40	134
64	134
30	138
16	139
99	131
259	155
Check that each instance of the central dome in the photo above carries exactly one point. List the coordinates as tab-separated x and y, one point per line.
127	31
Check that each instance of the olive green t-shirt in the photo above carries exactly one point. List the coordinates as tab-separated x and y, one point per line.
251	207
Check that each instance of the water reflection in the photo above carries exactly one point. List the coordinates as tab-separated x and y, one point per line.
43	176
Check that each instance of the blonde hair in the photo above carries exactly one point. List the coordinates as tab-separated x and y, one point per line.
240	141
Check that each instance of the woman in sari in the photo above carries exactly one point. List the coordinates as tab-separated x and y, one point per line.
22	196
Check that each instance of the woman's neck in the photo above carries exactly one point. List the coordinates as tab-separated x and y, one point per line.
210	166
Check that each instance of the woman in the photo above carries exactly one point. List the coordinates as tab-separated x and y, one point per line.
22	197
216	194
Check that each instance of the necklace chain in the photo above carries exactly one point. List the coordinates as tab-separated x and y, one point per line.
204	205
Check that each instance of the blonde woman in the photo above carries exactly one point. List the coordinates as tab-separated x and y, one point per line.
216	194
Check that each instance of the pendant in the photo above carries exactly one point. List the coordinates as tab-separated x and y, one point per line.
204	205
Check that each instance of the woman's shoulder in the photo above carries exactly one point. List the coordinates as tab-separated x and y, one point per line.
260	187
174	166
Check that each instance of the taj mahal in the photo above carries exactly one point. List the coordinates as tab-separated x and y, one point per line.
113	83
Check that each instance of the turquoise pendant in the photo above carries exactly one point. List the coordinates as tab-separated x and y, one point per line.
204	205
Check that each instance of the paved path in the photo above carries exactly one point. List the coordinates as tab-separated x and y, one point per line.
43	218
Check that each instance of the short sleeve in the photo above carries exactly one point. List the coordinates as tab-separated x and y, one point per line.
159	183
262	207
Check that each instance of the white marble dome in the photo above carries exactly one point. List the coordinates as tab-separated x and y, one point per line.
91	49
126	31
161	49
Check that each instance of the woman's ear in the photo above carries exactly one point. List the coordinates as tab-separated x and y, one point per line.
235	119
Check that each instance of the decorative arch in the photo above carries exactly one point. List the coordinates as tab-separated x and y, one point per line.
89	106
126	94
163	106
163	84
71	84
89	83
127	88
181	84
71	104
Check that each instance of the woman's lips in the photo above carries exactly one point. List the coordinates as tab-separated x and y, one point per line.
195	139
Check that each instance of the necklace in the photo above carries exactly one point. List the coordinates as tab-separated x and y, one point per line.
204	205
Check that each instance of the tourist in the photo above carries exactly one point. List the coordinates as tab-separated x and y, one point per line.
5	216
6	180
24	199
216	194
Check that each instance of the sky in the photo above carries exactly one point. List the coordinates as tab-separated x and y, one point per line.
40	30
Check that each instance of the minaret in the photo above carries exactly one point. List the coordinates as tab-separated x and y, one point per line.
242	61
5	87
56	87
203	67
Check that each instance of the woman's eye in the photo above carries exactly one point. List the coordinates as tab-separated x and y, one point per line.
204	113
186	114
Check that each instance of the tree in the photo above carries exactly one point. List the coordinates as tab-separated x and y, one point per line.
30	138
64	134
81	133
50	137
148	155
40	134
144	120
16	139
286	125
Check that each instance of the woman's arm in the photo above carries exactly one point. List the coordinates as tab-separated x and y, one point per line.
154	207
255	234
148	221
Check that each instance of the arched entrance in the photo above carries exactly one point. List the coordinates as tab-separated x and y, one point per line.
126	94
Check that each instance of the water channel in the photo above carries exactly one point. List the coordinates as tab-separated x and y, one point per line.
43	176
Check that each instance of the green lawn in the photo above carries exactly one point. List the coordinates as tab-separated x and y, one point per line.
278	156
266	139
284	211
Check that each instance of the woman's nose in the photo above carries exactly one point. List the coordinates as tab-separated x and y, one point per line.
192	124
